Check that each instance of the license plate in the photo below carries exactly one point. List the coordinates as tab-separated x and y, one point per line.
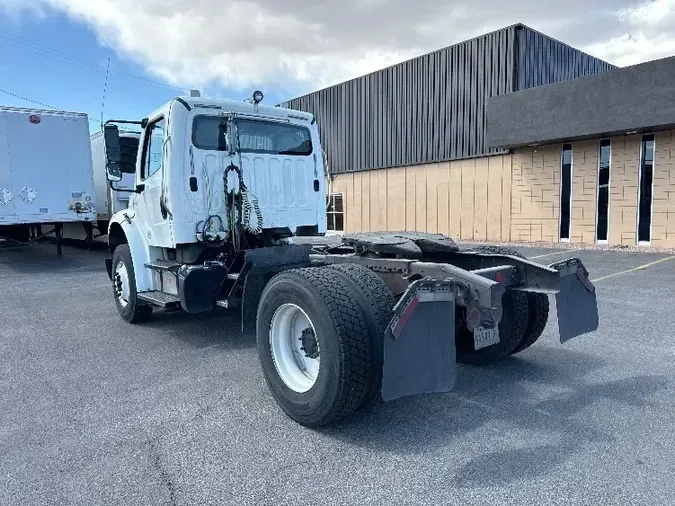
482	337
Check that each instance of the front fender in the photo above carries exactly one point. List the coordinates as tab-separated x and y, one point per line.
126	221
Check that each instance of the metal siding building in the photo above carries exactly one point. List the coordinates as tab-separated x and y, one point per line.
511	136
432	108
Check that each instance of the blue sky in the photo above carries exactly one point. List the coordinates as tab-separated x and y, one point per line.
33	55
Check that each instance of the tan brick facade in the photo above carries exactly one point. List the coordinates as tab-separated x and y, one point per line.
464	198
515	197
663	219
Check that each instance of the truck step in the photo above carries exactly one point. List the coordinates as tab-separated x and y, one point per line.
163	265
233	276
223	303
159	299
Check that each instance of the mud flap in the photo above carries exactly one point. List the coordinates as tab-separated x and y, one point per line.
576	302
419	346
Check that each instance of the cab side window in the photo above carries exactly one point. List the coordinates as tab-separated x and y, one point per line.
154	144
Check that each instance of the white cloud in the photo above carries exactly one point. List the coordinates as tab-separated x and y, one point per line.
301	45
649	33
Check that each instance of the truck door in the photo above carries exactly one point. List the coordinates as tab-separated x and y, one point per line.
153	219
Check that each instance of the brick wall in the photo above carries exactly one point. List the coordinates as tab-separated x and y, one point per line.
515	197
623	190
584	191
535	194
663	218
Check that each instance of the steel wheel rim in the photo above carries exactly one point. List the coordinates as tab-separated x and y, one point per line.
121	283
296	369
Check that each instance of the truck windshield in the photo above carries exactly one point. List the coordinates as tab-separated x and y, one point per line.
255	136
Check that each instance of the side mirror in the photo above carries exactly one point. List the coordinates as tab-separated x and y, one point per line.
113	154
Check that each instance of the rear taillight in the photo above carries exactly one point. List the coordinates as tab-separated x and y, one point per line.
472	318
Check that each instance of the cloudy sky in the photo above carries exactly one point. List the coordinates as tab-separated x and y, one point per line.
306	44
124	58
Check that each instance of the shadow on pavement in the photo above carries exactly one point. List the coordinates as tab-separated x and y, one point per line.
542	396
220	328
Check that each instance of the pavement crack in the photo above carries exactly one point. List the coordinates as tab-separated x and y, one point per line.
164	475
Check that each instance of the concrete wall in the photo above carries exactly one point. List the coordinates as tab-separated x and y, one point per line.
636	98
514	197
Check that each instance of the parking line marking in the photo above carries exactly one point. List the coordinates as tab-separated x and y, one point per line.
634	269
555	253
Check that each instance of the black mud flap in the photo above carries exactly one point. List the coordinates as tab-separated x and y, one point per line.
576	301
419	344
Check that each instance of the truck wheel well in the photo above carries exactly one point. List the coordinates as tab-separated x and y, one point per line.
116	237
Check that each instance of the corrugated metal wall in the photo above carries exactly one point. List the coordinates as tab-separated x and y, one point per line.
543	60
432	108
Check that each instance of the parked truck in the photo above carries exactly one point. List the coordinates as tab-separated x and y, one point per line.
224	189
46	176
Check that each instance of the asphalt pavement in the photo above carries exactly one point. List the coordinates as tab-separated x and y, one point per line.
176	411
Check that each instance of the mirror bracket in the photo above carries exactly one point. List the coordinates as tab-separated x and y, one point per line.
139	188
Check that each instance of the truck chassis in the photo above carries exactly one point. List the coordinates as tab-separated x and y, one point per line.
381	316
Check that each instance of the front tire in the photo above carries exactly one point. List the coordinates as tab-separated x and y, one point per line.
333	352
130	308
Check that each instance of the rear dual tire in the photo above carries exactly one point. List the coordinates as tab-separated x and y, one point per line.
524	319
346	309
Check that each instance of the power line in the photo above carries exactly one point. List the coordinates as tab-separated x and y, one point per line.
60	56
38	103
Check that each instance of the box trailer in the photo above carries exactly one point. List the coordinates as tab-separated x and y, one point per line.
46	175
108	202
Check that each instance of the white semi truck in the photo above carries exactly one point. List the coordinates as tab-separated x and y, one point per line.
222	188
46	176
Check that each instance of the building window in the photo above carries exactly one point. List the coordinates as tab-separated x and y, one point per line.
335	212
645	189
566	192
603	190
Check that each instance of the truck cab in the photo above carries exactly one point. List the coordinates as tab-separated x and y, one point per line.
214	178
189	144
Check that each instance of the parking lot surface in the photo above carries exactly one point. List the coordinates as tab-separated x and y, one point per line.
176	411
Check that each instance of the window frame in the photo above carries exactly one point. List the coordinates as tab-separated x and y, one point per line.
254	120
331	200
560	200
599	187
639	196
146	143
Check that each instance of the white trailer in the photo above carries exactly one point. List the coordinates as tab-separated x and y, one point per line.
46	175
108	202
